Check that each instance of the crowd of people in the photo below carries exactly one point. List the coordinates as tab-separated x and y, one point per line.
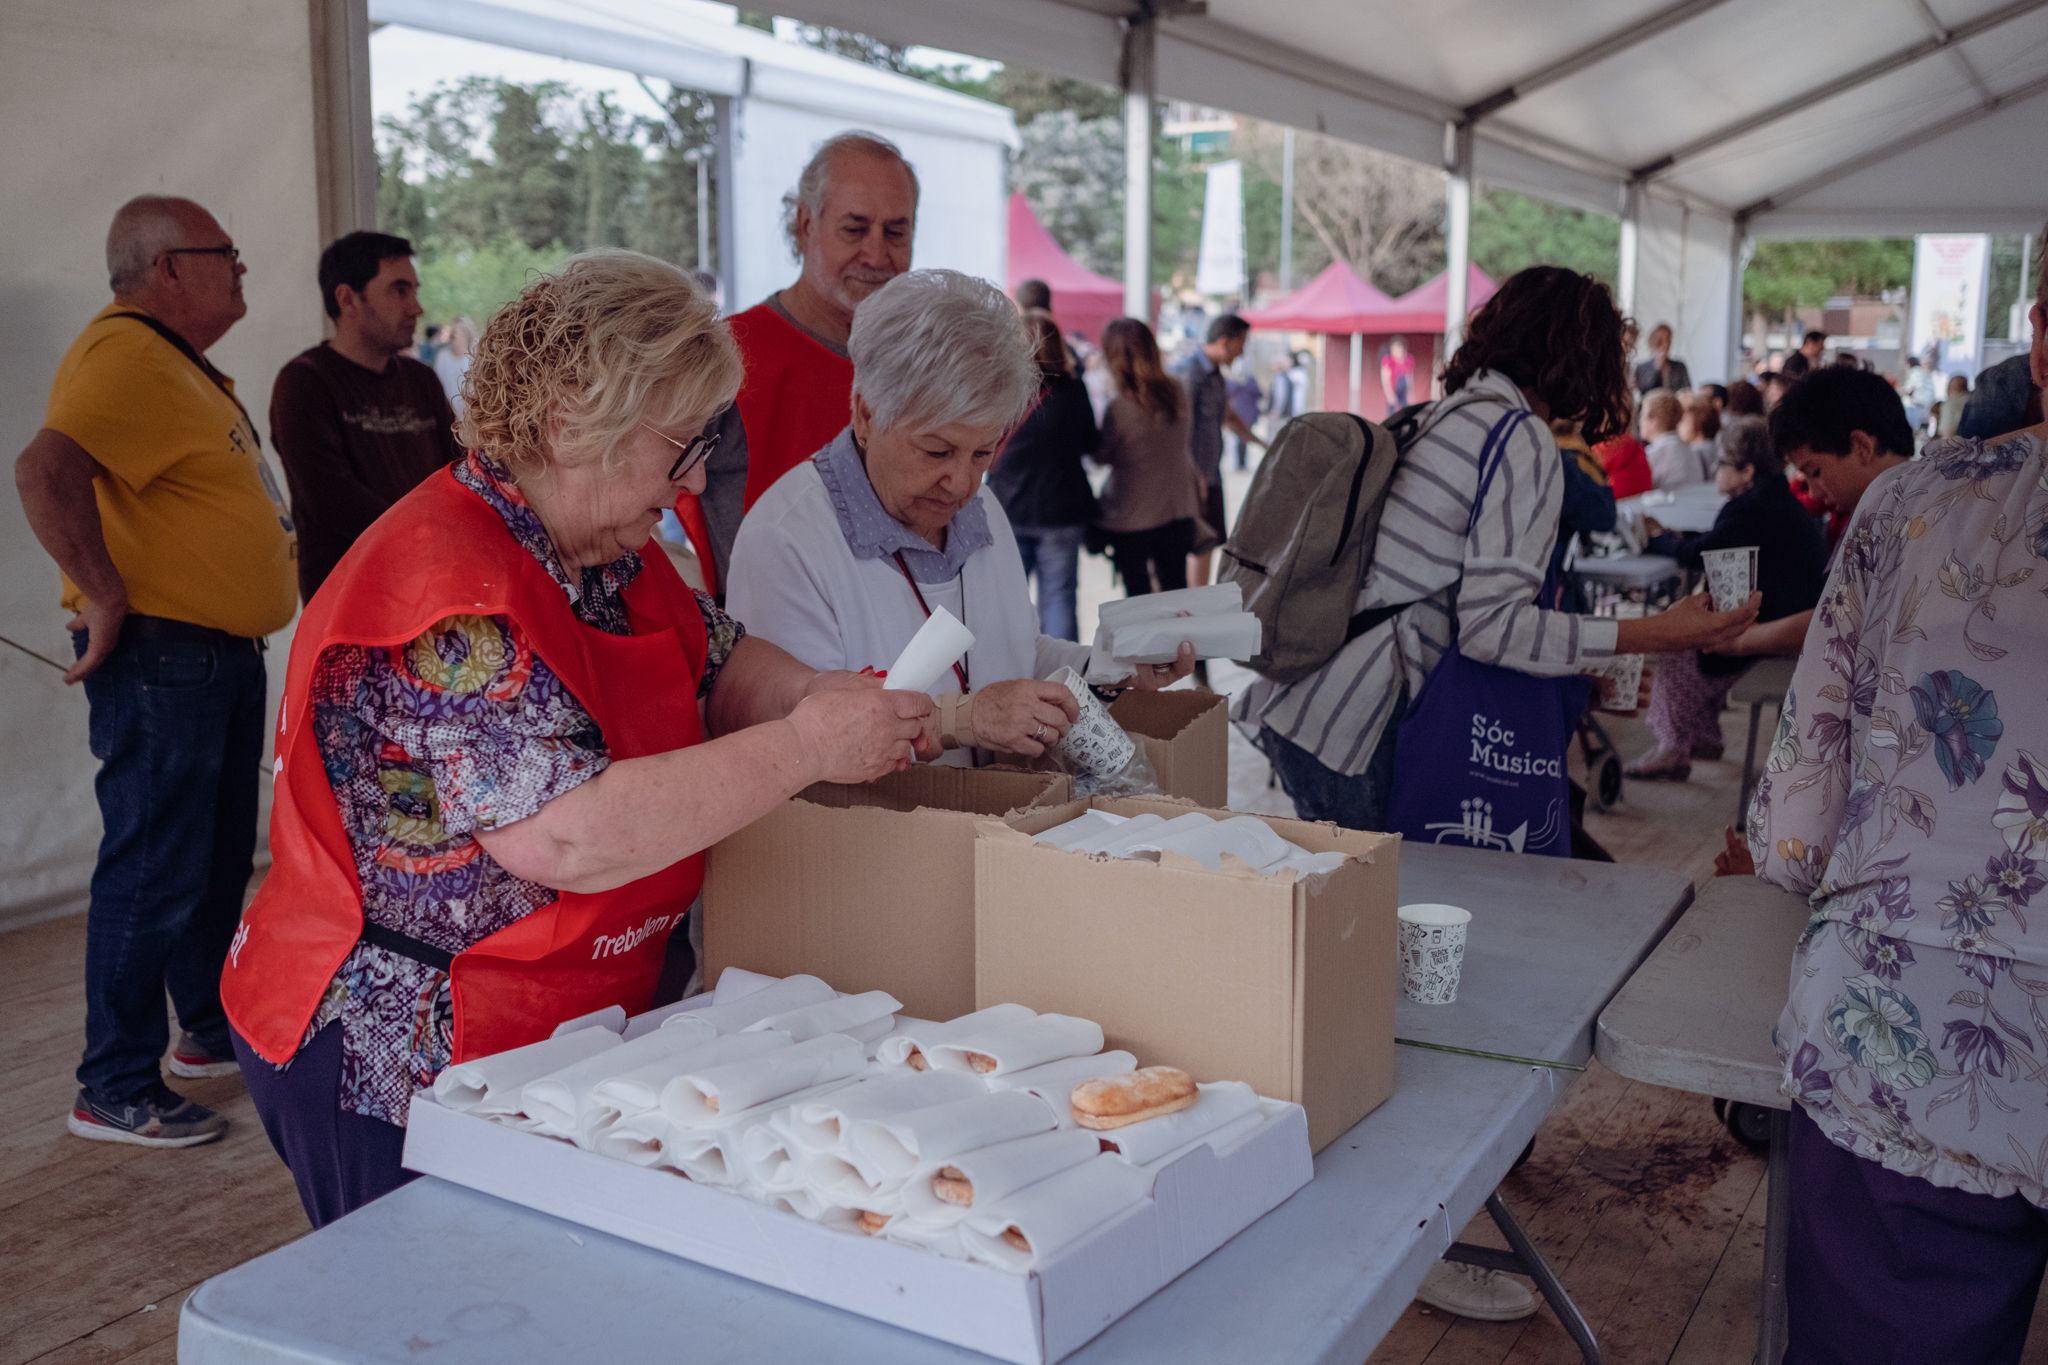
492	679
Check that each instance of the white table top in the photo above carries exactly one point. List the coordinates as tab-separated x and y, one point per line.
1551	941
1691	508
436	1270
1628	571
1698	1014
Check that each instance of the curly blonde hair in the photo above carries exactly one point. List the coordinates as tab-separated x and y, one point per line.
584	355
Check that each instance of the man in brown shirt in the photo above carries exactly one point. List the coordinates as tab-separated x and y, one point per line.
356	424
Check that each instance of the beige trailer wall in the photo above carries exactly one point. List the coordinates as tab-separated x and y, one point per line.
213	99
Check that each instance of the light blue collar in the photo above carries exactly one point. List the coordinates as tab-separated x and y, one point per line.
872	533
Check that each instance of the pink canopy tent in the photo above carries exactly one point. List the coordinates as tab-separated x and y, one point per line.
1421	309
1082	301
1338	300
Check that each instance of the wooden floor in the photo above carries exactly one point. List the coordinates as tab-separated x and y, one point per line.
1651	1213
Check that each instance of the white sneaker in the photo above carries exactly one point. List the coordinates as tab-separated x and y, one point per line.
1470	1291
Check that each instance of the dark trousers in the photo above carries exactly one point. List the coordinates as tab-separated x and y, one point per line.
1321	793
339	1161
177	726
1052	556
1887	1269
1154	560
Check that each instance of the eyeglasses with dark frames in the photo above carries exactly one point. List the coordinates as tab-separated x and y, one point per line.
690	453
231	251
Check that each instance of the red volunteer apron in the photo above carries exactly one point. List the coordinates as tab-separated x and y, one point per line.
442	551
793	401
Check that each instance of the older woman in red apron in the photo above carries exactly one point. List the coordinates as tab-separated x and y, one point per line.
494	780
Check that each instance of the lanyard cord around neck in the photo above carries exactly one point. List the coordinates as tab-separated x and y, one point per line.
960	665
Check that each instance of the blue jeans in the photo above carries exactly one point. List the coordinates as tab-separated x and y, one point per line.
177	726
1052	554
1319	793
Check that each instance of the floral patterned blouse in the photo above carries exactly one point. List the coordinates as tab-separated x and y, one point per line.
462	729
1907	798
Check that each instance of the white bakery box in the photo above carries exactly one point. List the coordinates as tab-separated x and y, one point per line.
1199	1202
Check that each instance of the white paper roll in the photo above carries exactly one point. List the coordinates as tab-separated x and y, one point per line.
1054	1213
792	992
939	644
701	1097
1013	1047
994	1173
867	1017
491	1085
895	1051
897	1145
624	1094
822	1126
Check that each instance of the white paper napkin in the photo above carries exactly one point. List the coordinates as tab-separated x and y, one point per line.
640	1139
1130	829
1216	1104
736	983
792	992
636	1091
1054	1082
555	1101
897	1144
895	1050
1031	1042
1054	1213
938	645
996	1172
714	1153
940	1241
864	1018
839	1182
1087	825
1137	837
741	1085
1305	864
491	1085
1237	635
822	1125
1220	1140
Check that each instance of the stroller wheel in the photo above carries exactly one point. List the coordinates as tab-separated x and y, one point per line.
1607	783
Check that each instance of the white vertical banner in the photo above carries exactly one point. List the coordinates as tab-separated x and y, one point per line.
1951	276
1220	269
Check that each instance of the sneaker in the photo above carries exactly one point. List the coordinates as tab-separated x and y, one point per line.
164	1119
194	1062
1470	1291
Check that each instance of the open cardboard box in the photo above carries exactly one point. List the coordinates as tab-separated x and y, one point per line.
870	887
1185	736
1199	1202
1284	984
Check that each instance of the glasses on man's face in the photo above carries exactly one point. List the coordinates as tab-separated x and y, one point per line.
231	251
690	453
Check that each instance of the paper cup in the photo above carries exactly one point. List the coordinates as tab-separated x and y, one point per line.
1096	745
1731	575
1624	675
1432	952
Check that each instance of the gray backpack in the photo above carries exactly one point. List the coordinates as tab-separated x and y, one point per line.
1304	538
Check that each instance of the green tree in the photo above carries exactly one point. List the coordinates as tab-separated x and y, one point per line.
1786	276
1513	231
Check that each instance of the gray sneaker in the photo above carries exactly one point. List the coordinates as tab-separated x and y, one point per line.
194	1062
162	1119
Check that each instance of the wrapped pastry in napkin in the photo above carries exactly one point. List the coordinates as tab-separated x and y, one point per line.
1054	1082
1217	1104
1087	825
555	1101
822	1125
638	1090
897	1144
714	1153
1042	1220
906	1047
865	1018
938	1239
945	1191
792	992
1013	1047
698	1097
491	1085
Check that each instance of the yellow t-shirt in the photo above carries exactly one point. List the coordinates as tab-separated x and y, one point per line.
191	513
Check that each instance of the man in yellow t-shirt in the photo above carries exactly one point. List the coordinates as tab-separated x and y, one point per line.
147	485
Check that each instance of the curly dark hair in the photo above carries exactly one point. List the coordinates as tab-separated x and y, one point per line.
1557	334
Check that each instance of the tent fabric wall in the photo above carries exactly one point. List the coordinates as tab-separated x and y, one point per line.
1685	265
206	98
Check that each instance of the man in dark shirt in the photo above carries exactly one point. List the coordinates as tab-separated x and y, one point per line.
356	424
1208	394
1806	357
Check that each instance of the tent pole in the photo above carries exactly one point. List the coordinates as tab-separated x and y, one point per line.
723	109
1740	249
1287	209
1357	368
1631	234
1138	82
345	154
1457	232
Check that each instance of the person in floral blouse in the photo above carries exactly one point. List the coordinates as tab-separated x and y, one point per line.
1907	798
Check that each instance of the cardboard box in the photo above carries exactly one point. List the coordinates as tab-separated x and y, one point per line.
1198	1203
870	887
1288	986
1185	736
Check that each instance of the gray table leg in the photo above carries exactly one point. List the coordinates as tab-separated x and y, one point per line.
1525	1259
1770	1328
1756	711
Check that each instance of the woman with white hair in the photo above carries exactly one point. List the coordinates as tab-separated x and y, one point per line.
845	557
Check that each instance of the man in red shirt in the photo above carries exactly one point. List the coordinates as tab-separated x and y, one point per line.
850	222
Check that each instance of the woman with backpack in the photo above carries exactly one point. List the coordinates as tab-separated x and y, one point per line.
1460	561
1154	493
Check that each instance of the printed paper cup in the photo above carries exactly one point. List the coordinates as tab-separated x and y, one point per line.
1624	676
1432	952
1096	745
1731	575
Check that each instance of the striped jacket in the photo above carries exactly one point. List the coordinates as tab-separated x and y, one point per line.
1478	589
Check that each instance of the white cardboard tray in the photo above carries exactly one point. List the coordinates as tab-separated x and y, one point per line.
1198	1203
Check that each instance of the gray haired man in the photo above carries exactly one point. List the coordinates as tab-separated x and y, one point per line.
850	221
